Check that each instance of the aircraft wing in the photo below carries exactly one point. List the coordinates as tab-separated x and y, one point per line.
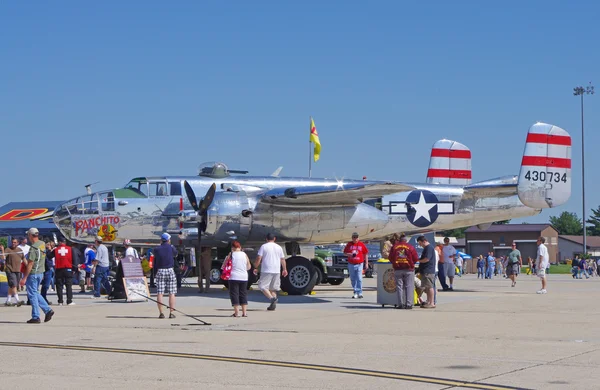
502	186
348	193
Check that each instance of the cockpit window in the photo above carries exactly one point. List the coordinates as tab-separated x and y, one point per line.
175	188
136	188
158	189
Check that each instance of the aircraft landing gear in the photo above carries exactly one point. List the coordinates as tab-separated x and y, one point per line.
302	276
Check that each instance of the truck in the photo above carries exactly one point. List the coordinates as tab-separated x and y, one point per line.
331	265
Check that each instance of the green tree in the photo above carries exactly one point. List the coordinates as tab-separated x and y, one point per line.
4	241
567	223
506	221
457	233
594	221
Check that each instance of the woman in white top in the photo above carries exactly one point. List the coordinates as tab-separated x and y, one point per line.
238	282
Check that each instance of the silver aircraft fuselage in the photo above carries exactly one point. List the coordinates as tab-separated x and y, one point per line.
242	210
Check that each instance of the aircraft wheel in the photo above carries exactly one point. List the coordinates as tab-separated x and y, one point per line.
215	275
302	276
319	276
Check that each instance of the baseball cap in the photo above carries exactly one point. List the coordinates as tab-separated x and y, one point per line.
33	231
98	238
127	241
165	237
355	234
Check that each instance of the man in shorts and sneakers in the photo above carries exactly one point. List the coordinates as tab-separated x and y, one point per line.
515	262
542	262
13	257
272	258
427	271
166	281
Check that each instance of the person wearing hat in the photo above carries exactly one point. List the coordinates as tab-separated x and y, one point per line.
101	265
357	256
32	277
166	281
129	250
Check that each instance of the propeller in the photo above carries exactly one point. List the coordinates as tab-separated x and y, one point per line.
201	208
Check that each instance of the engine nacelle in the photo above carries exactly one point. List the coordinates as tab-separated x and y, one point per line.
484	226
229	217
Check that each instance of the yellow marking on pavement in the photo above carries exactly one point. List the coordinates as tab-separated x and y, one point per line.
314	367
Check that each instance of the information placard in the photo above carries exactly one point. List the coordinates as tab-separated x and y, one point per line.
132	267
136	288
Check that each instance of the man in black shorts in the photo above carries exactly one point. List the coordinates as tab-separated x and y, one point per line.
427	271
13	257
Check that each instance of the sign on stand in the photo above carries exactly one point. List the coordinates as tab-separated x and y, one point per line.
133	279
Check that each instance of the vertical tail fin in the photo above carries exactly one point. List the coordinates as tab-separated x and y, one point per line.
450	163
545	177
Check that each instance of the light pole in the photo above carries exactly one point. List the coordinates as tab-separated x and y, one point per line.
580	91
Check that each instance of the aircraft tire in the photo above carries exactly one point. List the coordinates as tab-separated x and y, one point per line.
302	276
215	275
319	276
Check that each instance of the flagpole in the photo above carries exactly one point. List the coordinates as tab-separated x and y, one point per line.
309	154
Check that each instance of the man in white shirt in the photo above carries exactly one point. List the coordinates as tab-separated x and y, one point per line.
449	253
542	262
101	266
129	250
273	260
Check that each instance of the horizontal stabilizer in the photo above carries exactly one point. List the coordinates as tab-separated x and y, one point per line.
502	186
348	193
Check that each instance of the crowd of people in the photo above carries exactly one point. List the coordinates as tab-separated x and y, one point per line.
584	267
39	266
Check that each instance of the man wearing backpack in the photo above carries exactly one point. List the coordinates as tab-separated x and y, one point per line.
129	250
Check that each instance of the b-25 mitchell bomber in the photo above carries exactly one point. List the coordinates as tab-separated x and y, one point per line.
218	206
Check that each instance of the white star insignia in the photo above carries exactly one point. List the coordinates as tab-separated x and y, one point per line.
422	208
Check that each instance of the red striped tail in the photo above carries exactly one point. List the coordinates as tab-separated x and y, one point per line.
545	177
450	163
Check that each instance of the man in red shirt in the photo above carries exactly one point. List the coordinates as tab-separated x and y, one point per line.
403	257
63	257
357	256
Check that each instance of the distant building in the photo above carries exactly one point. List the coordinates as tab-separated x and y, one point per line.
499	238
569	246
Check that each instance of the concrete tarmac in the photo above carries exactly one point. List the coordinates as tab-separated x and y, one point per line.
484	335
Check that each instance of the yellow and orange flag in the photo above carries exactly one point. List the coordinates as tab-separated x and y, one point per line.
314	138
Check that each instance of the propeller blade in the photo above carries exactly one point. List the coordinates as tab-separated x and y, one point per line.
207	200
190	195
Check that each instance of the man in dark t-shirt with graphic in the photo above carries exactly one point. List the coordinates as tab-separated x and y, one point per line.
427	271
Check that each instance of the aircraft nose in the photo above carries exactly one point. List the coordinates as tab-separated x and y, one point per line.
62	220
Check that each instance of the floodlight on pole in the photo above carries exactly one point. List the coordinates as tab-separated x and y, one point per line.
581	91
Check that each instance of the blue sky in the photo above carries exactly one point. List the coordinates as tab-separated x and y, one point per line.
105	91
